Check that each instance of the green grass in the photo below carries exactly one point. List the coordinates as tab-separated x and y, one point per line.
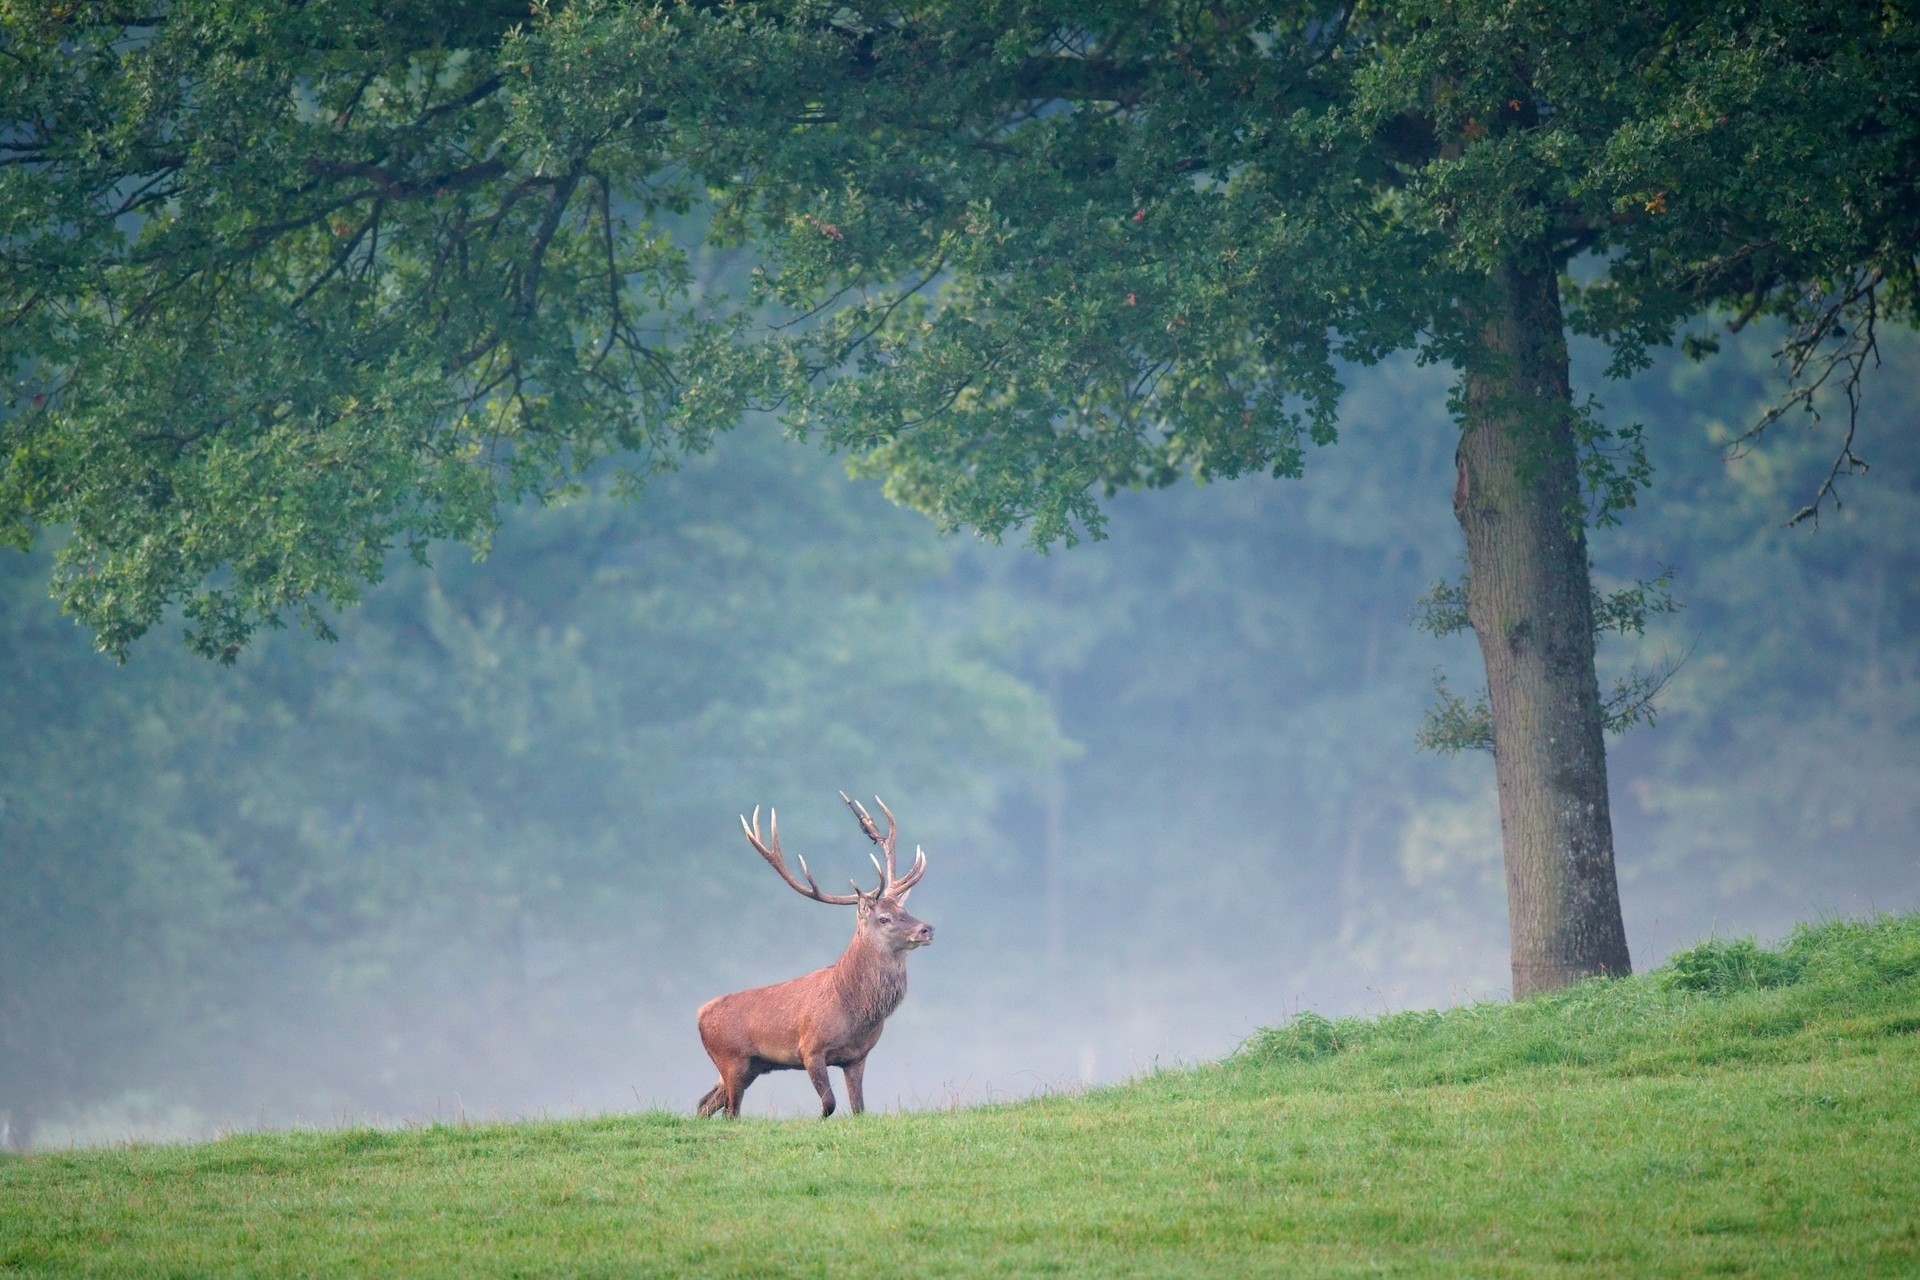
1740	1112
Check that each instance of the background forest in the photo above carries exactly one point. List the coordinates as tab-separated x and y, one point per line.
480	856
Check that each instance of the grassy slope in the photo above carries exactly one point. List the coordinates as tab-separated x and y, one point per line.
1741	1112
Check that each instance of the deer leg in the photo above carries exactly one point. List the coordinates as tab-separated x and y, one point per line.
735	1076
855	1071
817	1072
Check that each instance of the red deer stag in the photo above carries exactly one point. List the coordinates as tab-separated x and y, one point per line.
831	1017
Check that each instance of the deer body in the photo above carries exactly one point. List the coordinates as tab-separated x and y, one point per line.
831	1017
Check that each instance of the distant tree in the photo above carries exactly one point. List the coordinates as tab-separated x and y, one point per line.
288	285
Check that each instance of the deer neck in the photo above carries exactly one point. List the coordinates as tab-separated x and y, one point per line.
871	980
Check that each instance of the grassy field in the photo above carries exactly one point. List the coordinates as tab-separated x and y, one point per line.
1740	1112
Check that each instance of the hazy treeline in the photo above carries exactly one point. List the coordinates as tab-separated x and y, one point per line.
376	874
481	854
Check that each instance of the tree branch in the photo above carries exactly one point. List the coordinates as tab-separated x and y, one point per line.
1820	346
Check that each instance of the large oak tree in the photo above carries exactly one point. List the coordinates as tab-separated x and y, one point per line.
286	285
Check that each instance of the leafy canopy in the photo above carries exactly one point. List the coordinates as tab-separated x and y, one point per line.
288	286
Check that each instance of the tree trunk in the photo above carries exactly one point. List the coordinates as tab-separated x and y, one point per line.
1529	600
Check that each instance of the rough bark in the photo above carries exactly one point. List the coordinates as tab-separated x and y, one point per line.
1529	600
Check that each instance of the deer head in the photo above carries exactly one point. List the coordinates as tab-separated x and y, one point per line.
883	916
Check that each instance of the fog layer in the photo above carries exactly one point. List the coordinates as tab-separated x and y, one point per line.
482	858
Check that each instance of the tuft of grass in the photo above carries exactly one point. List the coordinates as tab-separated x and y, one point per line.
1742	1110
1723	967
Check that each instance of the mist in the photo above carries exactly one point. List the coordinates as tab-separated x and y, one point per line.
481	858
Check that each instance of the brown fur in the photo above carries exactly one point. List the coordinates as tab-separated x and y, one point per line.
831	1017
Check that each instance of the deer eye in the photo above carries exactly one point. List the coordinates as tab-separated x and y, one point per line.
884	919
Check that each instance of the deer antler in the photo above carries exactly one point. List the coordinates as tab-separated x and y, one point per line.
779	864
897	889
